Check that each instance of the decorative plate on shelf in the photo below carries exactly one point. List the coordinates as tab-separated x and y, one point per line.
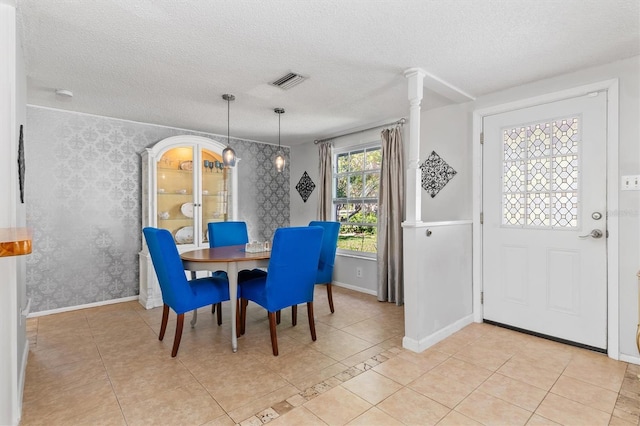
186	165
184	235
187	209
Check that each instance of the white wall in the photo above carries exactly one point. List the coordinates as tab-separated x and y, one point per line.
451	143
21	219
12	113
448	131
443	129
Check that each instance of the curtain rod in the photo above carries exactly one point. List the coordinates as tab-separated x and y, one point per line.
400	122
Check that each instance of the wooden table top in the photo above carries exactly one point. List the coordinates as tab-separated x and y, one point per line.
15	241
223	254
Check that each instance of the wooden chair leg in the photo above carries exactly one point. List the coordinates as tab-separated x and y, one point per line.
330	297
243	315
178	336
165	319
312	322
219	313
277	317
294	315
272	329
238	318
213	308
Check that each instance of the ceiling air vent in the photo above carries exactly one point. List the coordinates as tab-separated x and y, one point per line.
288	81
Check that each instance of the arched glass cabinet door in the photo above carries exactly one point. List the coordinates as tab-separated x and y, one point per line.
216	185
184	187
188	188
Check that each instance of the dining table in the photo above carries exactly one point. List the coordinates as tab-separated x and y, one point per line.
230	259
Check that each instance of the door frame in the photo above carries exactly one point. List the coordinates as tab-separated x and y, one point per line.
611	88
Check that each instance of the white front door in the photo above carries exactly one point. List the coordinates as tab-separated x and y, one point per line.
544	206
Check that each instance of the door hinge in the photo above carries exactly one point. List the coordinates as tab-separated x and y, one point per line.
481	138
482	297
481	218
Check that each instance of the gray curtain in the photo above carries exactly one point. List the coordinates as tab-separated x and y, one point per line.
390	217
325	194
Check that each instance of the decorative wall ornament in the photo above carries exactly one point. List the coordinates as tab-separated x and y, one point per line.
436	173
21	165
305	186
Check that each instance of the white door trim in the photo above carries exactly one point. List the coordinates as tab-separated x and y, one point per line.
611	87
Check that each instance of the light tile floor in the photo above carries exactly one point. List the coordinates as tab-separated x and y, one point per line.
105	366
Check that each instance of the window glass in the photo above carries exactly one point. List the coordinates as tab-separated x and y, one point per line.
357	185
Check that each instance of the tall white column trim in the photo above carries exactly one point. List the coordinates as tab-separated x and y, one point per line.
413	200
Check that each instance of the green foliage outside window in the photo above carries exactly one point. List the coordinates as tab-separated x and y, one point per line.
356	188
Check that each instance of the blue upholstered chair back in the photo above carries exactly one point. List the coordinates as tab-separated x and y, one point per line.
227	234
293	266
176	291
328	252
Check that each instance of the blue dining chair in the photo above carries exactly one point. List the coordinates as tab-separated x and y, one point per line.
230	234
327	255
290	278
178	293
324	275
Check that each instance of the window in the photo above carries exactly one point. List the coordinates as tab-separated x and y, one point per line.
356	184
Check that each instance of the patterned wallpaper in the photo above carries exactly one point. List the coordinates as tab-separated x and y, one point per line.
83	201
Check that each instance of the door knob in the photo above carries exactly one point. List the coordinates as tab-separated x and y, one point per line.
596	233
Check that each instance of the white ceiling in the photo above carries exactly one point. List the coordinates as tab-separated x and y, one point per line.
168	62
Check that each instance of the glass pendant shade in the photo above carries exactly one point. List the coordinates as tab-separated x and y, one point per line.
229	157
279	161
228	154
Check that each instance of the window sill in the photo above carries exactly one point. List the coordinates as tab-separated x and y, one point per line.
353	255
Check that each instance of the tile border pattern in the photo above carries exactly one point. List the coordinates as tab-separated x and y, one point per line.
283	407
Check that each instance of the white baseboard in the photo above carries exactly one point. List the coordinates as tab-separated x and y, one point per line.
355	288
432	339
78	307
630	359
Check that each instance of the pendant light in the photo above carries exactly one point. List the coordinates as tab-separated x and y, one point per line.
279	161
228	155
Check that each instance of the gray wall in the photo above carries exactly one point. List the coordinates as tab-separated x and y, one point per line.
305	158
84	203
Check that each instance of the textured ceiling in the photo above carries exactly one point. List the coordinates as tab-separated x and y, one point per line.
168	62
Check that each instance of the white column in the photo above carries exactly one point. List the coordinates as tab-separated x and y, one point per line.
11	355
413	283
413	195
